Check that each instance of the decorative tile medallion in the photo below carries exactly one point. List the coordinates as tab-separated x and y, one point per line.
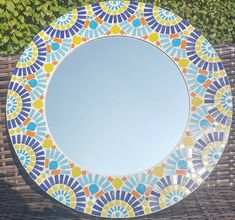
159	187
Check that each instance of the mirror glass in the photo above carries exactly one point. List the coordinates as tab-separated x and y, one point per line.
117	105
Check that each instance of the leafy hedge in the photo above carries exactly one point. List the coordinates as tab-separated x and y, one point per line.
21	20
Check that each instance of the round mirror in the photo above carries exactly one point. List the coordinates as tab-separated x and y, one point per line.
99	95
117	105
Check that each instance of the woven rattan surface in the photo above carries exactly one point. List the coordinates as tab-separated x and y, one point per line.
20	198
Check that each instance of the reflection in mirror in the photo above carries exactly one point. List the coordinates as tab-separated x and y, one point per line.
117	105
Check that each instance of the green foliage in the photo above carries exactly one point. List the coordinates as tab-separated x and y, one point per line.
214	18
21	20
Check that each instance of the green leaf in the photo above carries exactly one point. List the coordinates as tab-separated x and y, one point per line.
10	6
18	33
14	39
21	19
15	13
2	2
5	39
214	18
37	2
22	43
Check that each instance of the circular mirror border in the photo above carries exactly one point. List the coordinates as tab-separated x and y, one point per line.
162	185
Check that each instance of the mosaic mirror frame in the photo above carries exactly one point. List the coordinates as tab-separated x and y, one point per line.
158	187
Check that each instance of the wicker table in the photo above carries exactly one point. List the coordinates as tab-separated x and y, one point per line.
20	198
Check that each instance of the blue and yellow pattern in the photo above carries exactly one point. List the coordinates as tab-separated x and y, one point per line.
117	204
218	100
32	59
170	190
66	190
114	11
67	25
18	105
201	52
207	151
30	154
158	187
163	21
